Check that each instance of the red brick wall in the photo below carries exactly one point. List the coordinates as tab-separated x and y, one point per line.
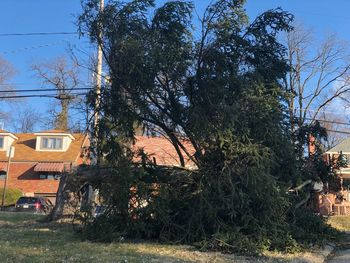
23	177
312	146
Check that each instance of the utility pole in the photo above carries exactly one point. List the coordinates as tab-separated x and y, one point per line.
98	79
11	153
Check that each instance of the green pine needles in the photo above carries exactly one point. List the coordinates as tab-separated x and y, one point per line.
216	83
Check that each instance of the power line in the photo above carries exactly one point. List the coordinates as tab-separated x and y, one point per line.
18	84
30	84
37	34
335	122
40	90
319	112
34	47
343	132
326	121
41	96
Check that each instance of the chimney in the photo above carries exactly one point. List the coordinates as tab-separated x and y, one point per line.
311	145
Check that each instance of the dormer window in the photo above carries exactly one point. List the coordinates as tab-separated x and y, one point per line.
6	140
51	143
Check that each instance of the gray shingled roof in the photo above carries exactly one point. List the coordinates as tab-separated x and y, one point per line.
344	147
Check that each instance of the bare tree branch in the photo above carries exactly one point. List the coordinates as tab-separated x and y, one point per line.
317	76
63	76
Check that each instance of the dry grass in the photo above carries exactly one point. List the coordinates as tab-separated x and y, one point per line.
23	239
341	223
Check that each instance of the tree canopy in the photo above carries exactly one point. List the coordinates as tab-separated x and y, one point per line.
221	91
171	83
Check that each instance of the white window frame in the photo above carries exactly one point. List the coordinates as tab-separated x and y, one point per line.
47	138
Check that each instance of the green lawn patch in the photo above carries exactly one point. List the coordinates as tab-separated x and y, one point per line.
13	217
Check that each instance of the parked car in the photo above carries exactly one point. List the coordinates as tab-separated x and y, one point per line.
99	210
33	204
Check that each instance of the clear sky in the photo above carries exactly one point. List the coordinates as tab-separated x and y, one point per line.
26	16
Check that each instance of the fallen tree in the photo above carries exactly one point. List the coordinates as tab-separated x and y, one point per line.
222	93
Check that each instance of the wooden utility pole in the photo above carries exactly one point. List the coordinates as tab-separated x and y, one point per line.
10	155
98	79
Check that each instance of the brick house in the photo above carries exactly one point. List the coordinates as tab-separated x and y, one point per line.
162	152
337	203
39	159
333	153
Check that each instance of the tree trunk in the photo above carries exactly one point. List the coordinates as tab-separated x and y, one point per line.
62	118
61	197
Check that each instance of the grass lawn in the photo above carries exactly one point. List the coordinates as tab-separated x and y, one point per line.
23	239
341	223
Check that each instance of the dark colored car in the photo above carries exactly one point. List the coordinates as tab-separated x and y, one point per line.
33	204
99	210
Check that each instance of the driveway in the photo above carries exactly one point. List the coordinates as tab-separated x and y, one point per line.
342	253
342	256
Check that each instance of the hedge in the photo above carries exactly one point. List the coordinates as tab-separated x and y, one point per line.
12	195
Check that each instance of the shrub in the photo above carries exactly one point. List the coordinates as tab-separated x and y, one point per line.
12	195
311	229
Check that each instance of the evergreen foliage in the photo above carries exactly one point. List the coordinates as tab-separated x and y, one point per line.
222	92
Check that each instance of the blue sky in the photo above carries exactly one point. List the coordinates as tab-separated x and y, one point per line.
320	15
25	16
36	16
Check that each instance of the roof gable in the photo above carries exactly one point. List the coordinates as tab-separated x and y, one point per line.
162	152
343	146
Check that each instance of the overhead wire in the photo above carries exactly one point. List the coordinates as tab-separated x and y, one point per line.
40	90
40	96
311	110
343	132
34	47
31	84
327	121
18	84
37	34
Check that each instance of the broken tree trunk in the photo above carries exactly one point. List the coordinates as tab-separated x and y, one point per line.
61	198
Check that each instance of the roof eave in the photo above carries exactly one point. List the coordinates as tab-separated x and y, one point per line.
8	134
54	134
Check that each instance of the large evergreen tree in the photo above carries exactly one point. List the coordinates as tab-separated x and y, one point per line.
172	83
222	92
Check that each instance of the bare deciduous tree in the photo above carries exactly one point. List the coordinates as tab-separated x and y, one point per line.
318	75
6	73
25	119
63	76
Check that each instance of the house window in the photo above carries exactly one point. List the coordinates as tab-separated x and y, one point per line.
49	176
1	142
51	143
2	175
